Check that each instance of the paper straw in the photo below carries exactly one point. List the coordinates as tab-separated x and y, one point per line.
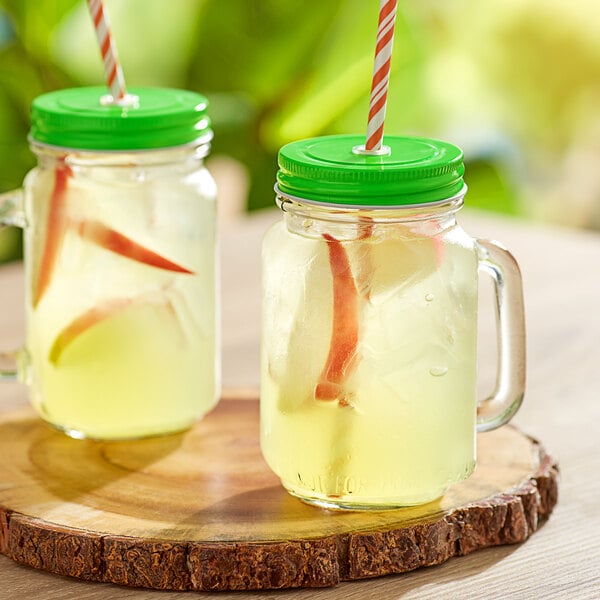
381	75
108	49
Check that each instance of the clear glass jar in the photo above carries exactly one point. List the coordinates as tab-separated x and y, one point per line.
369	348
121	271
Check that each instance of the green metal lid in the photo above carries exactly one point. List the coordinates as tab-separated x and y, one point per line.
333	170
76	118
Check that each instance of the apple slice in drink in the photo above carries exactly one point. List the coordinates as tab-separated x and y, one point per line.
119	313
109	239
379	268
344	328
56	224
313	347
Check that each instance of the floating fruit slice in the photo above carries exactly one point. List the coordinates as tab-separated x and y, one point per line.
345	326
55	227
370	269
98	314
109	239
82	323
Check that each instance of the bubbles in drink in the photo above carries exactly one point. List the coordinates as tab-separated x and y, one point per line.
438	371
138	175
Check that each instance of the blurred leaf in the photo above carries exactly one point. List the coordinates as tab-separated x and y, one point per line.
154	44
259	46
261	53
26	70
14	150
489	188
35	21
11	244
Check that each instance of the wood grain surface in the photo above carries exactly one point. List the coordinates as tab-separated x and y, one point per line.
201	510
561	408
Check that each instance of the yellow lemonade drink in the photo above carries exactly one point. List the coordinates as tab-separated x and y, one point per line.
404	430
149	379
122	340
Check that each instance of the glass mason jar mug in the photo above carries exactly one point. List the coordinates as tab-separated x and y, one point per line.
370	325
119	247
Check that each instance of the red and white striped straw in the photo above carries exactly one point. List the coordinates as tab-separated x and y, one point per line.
381	75
108	49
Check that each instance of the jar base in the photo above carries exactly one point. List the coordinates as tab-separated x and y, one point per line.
343	503
78	434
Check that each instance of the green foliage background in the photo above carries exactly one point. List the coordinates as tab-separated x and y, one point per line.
516	84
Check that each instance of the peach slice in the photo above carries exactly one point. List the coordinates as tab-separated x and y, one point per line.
82	323
347	290
109	239
344	335
374	273
97	314
55	228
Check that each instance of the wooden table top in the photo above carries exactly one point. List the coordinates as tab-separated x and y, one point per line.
561	408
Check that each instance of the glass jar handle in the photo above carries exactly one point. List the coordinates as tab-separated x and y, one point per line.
11	213
500	407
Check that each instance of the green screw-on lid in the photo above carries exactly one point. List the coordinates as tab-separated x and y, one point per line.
76	118
327	169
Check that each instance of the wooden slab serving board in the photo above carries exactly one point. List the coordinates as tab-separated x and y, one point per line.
200	510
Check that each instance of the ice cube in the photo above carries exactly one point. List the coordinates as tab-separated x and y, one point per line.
298	322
